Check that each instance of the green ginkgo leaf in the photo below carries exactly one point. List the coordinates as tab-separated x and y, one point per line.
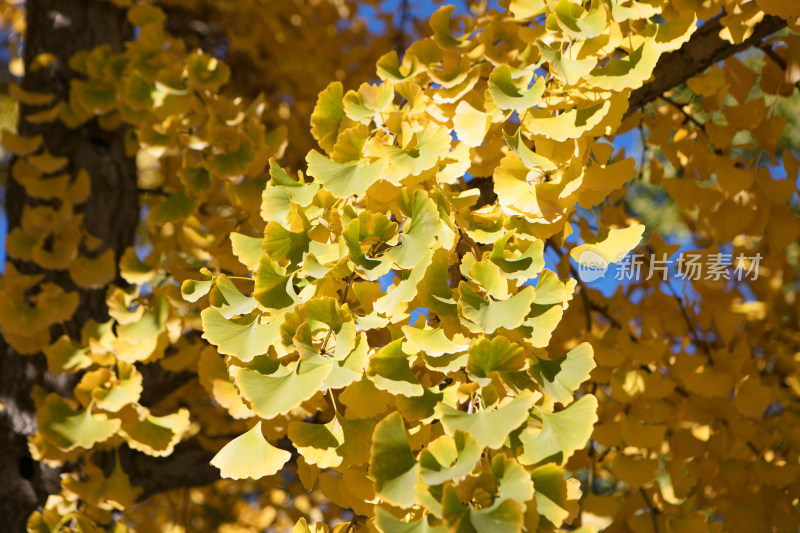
247	250
368	101
250	456
300	193
351	368
277	393
155	435
176	207
327	116
432	143
580	23
68	428
390	370
120	392
486	274
227	299
447	458
528	157
344	179
514	94
390	68
561	377
419	233
273	286
504	516
440	24
552	291
561	433
406	290
489	356
375	229
487	315
244	337
629	72
522	265
569	70
489	428
387	523
393	466
433	342
570	124
318	443
551	493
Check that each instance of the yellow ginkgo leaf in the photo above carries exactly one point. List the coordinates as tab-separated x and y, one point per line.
250	456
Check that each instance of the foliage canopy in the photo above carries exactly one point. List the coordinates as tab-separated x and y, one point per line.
384	320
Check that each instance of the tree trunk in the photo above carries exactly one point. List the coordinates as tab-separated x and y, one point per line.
61	28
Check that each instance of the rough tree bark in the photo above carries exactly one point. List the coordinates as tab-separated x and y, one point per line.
61	27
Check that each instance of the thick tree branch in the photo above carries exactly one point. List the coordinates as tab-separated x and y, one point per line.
701	51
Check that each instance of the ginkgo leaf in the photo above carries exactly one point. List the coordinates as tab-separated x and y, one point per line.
489	356
68	428
528	158
66	356
487	316
489	428
420	233
523	9
123	390
431	144
227	299
559	378
580	23
393	465
440	24
192	289
434	342
387	523
250	456
213	376
447	458
318	443
18	144
327	116
176	207
351	368
244	337
570	124
368	101
505	516
284	388
389	369
568	69
390	68
470	124
247	250
156	435
609	244
344	179
629	72
273	286
561	433
514	94
94	272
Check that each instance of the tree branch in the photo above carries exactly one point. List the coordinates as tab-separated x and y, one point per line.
701	51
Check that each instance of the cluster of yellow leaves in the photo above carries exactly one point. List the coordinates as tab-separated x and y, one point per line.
398	329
